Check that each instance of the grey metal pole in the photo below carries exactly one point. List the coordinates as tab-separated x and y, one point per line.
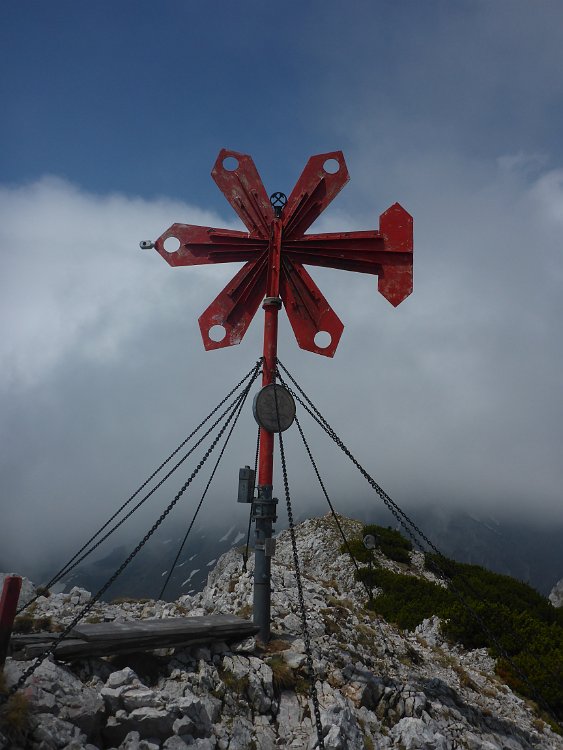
264	514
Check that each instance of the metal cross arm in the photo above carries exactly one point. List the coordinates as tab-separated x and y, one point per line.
275	250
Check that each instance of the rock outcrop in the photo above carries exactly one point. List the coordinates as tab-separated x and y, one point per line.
556	595
27	592
378	686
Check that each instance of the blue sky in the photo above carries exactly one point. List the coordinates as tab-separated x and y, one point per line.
113	115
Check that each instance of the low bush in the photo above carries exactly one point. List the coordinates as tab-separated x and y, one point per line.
479	609
390	542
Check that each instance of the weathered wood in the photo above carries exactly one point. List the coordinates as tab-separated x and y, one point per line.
105	638
154	628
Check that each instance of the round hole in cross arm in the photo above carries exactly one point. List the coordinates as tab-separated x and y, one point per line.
171	244
331	166
322	339
230	163
217	333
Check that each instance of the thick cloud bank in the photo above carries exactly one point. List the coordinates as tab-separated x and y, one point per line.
453	397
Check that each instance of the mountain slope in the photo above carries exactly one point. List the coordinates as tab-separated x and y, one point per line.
378	686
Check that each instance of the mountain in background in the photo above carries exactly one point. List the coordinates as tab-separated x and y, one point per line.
530	553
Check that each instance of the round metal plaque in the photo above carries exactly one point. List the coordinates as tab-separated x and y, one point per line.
370	542
274	408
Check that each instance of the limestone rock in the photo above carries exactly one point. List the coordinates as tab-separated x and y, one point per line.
27	592
556	595
54	689
377	686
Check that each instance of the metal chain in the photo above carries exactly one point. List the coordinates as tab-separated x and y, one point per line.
369	591
399	516
245	553
304	626
73	562
204	494
159	484
84	611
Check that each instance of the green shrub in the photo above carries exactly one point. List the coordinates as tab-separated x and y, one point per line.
479	609
405	600
359	552
390	542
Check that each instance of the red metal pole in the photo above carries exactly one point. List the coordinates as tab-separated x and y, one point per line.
271	306
8	607
264	507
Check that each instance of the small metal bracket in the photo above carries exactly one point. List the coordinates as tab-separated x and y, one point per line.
265	509
273	302
146	244
278	201
246	478
269	547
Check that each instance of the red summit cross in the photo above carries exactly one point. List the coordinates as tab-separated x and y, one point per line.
276	248
274	251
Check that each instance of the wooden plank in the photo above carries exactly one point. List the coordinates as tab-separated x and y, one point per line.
103	639
155	627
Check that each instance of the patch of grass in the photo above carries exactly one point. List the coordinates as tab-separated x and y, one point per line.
23	624
332	625
331	583
43	624
234	684
245	611
14	716
29	624
283	676
276	645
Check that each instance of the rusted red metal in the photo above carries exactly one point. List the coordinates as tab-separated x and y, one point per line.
275	251
8	607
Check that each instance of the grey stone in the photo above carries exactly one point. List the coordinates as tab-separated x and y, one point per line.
174	743
152	722
140	697
53	732
248	646
414	734
343	730
208	743
194	709
212	706
54	689
294	659
124	676
556	594
242	733
27	591
183	725
112	697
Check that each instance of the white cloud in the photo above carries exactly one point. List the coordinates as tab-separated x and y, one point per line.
453	396
74	278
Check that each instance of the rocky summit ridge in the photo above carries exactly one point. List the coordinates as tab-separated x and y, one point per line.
378	686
